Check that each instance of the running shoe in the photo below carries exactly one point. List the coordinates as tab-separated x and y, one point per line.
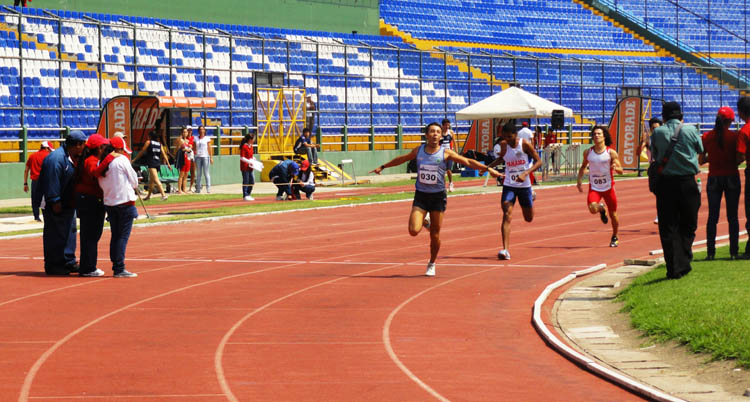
430	269
533	195
450	187
656	221
426	222
311	197
97	272
503	255
603	215
125	274
249	198
164	198
614	242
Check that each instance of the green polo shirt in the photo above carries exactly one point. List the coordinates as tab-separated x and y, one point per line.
684	159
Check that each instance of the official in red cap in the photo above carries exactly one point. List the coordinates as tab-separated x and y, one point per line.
720	151
89	206
306	181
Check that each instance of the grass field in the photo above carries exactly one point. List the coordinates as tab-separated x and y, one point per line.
707	310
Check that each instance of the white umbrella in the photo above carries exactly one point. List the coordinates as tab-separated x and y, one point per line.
512	103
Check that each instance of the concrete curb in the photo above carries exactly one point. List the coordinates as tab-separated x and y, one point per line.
583	360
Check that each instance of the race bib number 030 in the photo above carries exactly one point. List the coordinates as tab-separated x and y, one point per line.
428	174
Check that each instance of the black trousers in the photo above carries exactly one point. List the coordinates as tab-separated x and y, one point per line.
677	204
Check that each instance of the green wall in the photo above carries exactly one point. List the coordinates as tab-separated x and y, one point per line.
318	15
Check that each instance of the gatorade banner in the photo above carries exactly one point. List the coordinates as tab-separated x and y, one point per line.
118	116
144	112
479	138
625	129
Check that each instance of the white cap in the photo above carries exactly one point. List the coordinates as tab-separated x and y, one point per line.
46	144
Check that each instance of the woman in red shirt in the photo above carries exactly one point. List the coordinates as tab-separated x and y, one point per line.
720	151
89	204
184	160
246	168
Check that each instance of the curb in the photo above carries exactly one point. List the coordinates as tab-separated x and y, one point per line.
584	361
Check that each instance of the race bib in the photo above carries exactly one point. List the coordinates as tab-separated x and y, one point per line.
600	181
428	174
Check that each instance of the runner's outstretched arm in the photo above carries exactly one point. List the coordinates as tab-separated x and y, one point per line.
452	155
397	161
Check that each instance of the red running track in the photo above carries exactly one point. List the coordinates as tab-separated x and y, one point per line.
314	305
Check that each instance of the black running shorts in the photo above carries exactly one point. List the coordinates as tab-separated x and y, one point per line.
430	201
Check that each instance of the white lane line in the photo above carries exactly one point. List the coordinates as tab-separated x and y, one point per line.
24	342
698	243
105	397
219	355
387	335
29	380
51	291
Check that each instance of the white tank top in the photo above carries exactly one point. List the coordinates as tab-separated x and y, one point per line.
516	163
600	170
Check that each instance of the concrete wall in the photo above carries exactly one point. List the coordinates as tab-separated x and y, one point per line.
319	15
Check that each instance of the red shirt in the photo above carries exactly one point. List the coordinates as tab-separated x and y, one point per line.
721	162
550	138
34	163
743	142
246	152
87	181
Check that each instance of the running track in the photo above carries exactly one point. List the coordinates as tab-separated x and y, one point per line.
314	305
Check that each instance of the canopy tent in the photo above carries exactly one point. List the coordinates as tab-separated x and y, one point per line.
512	103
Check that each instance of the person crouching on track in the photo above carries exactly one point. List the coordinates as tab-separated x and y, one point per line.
602	162
306	183
430	196
154	157
517	184
282	175
89	204
246	168
118	185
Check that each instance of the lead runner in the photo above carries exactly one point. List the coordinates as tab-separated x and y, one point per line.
602	162
430	195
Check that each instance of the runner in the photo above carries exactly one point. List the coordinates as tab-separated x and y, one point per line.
430	193
516	154
602	161
447	142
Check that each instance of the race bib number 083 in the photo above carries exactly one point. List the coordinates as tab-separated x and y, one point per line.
428	174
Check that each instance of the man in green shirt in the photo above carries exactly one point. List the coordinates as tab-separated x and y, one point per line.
677	198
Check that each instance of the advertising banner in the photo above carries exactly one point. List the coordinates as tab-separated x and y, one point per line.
625	129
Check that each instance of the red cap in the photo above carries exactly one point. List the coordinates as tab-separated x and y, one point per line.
96	140
117	143
525	123
726	113
304	165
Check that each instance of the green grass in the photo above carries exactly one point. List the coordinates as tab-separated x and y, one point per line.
707	310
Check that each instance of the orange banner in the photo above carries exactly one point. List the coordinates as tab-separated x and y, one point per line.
118	116
625	129
145	112
479	138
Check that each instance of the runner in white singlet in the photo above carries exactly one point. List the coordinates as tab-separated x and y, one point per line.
516	154
603	162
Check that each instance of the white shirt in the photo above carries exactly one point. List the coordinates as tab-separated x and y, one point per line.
119	182
526	134
600	170
516	163
201	146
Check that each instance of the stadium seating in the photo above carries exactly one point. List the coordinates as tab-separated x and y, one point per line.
360	81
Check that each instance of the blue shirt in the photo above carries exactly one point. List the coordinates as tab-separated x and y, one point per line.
430	171
282	170
56	178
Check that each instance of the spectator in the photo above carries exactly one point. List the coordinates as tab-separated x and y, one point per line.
720	151
154	156
56	191
538	137
21	2
550	138
204	158
525	133
653	123
184	160
191	143
246	168
743	150
306	182
282	175
305	146
677	195
446	142
125	143
89	204
33	165
118	187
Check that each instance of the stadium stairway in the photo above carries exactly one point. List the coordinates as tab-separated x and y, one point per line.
430	45
665	47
